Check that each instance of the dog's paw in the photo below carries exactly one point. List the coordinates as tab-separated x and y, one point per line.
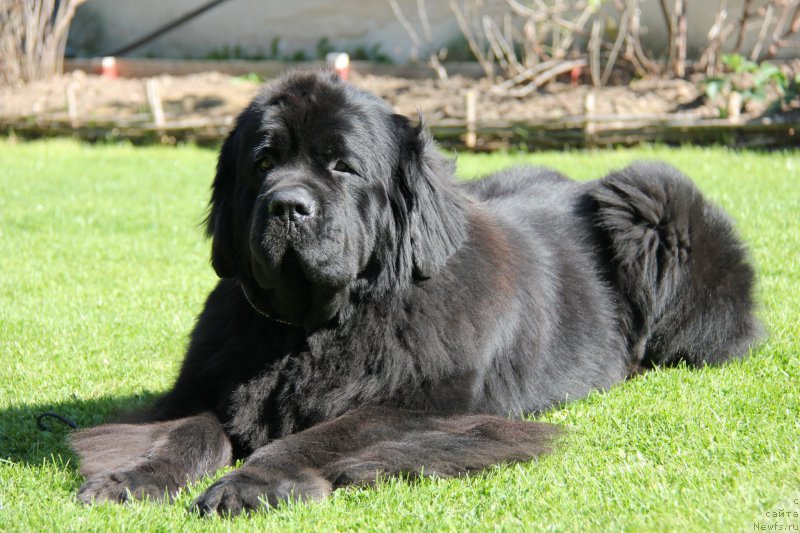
246	490
120	487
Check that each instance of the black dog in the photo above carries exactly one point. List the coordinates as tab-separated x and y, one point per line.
376	318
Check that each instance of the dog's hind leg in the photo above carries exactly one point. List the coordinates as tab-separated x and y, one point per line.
364	444
122	461
684	276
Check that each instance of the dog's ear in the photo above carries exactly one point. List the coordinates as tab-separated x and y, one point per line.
220	223
435	217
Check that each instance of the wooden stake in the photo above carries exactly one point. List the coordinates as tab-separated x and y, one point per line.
471	139
588	109
72	104
735	107
154	100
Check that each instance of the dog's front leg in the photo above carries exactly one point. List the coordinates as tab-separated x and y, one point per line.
123	461
365	444
284	470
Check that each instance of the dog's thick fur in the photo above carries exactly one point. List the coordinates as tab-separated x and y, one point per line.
376	318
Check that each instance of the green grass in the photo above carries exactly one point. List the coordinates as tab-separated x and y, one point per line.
103	268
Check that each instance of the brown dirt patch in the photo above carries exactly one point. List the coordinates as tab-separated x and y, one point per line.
214	95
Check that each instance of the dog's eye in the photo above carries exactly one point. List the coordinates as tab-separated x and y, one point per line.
265	164
341	166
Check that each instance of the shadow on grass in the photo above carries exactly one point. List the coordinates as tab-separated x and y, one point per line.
22	441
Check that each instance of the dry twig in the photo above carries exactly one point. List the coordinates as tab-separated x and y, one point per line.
418	43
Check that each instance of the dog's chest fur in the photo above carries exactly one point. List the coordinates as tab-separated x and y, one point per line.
336	370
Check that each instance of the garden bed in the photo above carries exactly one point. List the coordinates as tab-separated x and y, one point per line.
202	106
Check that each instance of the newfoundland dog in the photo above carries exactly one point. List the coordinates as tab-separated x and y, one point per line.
376	318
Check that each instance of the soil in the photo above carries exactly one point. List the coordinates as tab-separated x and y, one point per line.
220	96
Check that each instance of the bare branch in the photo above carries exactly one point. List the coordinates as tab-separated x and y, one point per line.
407	26
561	68
635	53
782	33
417	42
422	10
667	20
523	37
762	34
464	25
681	36
525	75
33	36
621	36
742	26
594	52
718	33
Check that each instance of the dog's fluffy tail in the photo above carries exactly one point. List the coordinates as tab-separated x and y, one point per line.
685	280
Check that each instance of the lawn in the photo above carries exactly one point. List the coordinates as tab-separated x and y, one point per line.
104	267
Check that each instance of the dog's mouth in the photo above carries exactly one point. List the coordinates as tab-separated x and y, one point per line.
284	291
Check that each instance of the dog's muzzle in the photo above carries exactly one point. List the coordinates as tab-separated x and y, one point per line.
291	205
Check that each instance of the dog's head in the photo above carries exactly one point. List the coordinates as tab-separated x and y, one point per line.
324	196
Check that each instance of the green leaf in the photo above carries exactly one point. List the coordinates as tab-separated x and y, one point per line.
714	87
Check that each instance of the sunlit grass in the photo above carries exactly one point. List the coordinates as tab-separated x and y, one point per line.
104	267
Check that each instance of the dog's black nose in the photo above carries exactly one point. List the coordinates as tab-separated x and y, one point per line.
294	204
